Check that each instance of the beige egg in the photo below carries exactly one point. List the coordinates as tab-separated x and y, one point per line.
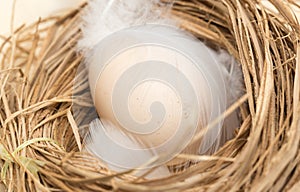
158	89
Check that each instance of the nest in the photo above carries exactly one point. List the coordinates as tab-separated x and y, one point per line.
40	146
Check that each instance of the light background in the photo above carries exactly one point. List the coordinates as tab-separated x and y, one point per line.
28	11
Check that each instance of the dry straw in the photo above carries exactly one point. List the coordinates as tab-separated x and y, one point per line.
40	143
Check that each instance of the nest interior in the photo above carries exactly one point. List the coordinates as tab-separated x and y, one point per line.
40	141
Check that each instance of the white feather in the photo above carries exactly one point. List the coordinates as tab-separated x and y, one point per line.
104	17
234	82
120	151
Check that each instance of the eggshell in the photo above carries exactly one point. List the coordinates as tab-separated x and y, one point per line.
159	86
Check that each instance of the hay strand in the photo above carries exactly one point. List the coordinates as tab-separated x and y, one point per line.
39	139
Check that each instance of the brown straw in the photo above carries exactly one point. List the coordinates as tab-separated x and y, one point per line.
39	138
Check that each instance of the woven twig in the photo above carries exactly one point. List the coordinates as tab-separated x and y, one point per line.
39	146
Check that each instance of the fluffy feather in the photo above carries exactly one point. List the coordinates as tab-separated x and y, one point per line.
127	154
233	80
104	17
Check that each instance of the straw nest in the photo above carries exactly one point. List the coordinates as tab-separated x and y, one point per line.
40	143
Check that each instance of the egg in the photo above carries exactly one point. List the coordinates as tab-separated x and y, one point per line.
155	88
159	87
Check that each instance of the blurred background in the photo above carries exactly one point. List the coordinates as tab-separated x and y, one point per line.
28	11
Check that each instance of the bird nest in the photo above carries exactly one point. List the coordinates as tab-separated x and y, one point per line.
40	146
